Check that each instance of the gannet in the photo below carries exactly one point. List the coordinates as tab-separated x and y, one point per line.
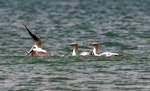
75	50
36	49
107	54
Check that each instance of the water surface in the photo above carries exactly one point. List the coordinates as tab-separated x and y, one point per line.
118	26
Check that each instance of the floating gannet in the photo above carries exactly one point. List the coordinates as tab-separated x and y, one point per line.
75	50
36	49
107	54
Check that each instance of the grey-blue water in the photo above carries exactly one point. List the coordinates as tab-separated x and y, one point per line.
121	26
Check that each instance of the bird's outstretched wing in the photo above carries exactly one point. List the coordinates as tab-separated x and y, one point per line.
37	40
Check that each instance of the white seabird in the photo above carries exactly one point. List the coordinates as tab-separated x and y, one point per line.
36	49
107	54
75	50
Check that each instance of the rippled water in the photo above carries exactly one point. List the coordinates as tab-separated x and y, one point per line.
118	26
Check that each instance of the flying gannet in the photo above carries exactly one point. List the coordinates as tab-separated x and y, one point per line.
107	54
75	50
36	49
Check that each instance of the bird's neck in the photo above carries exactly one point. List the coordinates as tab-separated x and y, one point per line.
95	50
75	51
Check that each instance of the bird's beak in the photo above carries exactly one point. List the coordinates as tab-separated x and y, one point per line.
69	44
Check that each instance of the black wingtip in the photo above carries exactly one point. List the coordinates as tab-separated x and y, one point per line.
35	38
